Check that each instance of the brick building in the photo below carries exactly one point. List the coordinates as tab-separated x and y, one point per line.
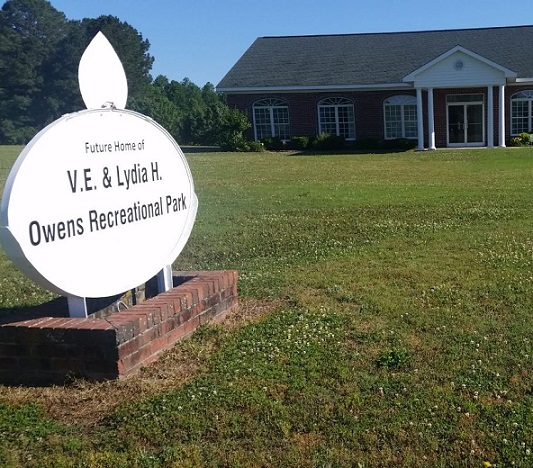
449	88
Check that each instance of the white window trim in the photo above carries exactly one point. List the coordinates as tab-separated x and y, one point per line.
401	100
523	96
336	103
270	104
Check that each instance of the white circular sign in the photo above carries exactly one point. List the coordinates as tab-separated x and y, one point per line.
97	203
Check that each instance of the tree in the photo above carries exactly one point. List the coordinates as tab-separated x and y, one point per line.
186	97
29	33
131	48
231	132
193	115
156	104
40	52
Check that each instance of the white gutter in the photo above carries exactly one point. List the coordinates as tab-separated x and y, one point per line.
296	89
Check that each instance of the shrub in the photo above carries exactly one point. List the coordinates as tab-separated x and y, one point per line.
366	144
299	142
235	142
524	139
327	141
230	133
256	146
273	143
238	143
11	134
512	141
402	144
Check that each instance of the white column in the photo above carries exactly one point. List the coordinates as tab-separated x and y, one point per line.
420	119
501	112
490	117
431	120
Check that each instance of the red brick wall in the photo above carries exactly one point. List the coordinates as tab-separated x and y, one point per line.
369	110
48	349
368	107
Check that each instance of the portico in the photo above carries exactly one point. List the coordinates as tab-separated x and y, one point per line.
468	122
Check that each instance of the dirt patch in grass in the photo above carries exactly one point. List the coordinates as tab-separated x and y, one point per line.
85	403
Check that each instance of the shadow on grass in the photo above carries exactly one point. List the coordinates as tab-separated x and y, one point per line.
55	308
200	149
346	151
98	307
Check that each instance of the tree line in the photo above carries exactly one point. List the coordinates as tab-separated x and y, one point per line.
40	50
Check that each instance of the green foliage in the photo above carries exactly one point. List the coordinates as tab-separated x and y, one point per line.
236	143
156	104
524	139
230	132
273	143
40	51
195	116
394	359
374	144
129	45
299	143
30	31
366	144
256	146
295	143
400	144
16	135
328	142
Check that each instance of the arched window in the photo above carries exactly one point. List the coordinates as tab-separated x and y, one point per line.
521	114
271	119
336	116
400	117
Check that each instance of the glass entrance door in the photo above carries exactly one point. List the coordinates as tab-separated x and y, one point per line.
474	124
465	124
456	124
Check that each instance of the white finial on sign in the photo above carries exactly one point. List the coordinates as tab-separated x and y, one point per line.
101	76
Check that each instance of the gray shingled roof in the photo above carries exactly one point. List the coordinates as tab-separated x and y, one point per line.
360	59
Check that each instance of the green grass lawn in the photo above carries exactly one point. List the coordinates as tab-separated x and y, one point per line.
394	296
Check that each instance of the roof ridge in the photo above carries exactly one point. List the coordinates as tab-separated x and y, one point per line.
388	33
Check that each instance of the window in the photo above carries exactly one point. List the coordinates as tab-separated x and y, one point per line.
521	112
271	119
400	117
336	116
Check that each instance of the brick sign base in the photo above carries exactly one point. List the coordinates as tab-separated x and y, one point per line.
49	348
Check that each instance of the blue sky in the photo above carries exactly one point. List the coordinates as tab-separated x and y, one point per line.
202	39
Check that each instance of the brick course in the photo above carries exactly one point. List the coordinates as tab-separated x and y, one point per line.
50	349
